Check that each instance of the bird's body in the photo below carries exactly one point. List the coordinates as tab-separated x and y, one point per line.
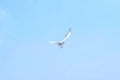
61	43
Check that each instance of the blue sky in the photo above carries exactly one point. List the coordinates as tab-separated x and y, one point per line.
91	53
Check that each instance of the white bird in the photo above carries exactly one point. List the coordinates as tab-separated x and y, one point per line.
61	43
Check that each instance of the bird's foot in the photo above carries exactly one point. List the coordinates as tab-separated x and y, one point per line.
61	47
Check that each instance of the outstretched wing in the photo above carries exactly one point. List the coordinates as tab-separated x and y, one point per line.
53	42
67	35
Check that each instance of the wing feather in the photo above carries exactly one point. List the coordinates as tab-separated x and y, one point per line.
67	35
53	42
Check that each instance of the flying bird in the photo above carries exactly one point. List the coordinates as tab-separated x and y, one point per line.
61	43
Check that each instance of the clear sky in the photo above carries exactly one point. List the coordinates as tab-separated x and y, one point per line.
91	53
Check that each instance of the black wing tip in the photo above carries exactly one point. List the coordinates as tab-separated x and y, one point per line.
70	29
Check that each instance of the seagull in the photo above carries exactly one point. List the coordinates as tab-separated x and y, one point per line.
61	43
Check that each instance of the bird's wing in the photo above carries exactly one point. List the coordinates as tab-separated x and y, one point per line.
67	35
53	42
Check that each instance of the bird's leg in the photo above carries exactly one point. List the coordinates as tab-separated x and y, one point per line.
61	46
